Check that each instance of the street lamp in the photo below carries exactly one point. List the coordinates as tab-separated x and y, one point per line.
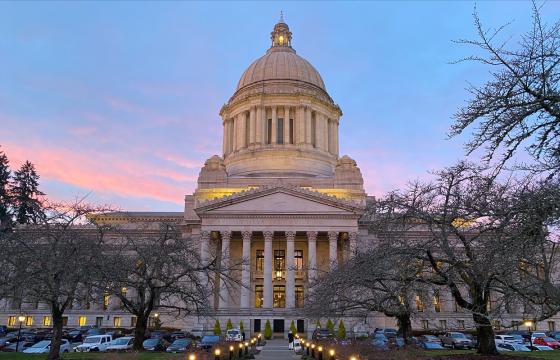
240	349
331	353
320	349
246	348
21	319
313	351
192	357
217	353
230	352
529	324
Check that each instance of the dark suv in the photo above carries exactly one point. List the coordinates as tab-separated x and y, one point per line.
322	334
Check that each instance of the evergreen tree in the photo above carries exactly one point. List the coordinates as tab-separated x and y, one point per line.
330	326
229	325
241	326
341	330
293	328
217	328
318	325
267	330
25	192
5	197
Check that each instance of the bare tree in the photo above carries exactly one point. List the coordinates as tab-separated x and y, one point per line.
150	267
520	104
50	261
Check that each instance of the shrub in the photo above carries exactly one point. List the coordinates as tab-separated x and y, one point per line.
318	325
267	330
217	328
330	326
241	327
341	330
293	328
229	325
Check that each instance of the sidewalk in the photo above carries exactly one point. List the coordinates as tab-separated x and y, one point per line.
277	349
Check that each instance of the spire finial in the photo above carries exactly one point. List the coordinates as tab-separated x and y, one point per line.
281	16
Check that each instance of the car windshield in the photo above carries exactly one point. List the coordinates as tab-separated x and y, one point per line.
181	342
92	340
509	338
121	341
151	342
432	346
549	339
42	344
458	336
233	332
210	339
74	333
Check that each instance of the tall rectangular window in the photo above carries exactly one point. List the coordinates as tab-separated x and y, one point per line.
425	325
291	131
551	326
298	260
280	131
106	299
437	301
269	131
259	296
117	321
279	263
47	321
133	321
419	302
461	324
299	296
65	321
11	321
99	321
260	261
29	321
82	320
279	296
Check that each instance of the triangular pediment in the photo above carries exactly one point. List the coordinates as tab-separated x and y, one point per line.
280	200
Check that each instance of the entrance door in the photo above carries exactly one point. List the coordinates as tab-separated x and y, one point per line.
300	326
257	325
278	325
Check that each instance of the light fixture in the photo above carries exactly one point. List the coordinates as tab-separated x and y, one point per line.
230	348
528	323
21	318
156	315
192	357
217	352
331	352
320	348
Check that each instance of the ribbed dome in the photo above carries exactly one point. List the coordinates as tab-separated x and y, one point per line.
281	63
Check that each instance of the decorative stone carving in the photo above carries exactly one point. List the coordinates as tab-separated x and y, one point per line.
348	174
213	172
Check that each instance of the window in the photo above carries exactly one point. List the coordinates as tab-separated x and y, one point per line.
425	324
279	296
461	324
298	260
515	324
99	321
291	140
455	306
551	326
279	263
280	132
496	324
117	321
260	261
419	303
29	321
299	296
443	324
65	321
47	321
259	296
133	321
12	321
269	131
82	320
106	299
437	301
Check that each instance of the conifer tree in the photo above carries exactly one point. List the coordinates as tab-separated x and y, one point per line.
26	194
341	330
241	326
229	325
330	326
267	330
293	328
5	196
217	328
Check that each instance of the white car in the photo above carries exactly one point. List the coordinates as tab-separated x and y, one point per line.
234	335
297	346
121	344
505	339
43	347
95	343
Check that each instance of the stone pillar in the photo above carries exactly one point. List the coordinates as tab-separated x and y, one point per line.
259	134
242	131
267	273
246	271
226	236
287	117
290	271
320	131
325	121
333	239
336	137
308	139
312	250
205	258
331	136
353	238
252	125
224	134
274	126
300	125
234	130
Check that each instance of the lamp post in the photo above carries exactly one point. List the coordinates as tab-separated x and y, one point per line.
331	354
21	319
313	351
307	347
192	357
320	349
230	352
246	348
217	353
529	324
240	350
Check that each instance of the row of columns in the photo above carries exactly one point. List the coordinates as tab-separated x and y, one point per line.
311	128
245	296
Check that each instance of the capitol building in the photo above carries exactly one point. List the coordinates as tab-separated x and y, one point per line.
281	195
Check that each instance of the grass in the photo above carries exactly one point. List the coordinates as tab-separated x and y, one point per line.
545	355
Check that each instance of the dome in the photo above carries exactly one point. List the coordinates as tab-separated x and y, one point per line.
281	63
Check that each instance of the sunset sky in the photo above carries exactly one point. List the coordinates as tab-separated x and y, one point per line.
120	100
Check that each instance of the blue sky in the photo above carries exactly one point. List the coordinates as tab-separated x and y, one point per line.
120	100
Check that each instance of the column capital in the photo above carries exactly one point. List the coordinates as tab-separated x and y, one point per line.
225	234
205	235
246	235
312	235
333	235
268	235
290	236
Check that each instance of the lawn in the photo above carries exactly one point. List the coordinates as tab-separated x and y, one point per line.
545	355
97	356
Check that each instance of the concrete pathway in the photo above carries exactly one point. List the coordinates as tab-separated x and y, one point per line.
277	349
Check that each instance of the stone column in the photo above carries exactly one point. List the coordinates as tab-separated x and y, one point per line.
300	125
290	271
259	134
287	124
336	137
224	134
267	273
312	250
333	239
226	236
353	238
234	124
308	139
320	131
274	125
246	271
252	125
325	121
205	257
331	136
242	131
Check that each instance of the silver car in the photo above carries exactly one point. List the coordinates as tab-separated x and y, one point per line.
456	340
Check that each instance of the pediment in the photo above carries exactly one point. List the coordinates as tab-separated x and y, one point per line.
281	201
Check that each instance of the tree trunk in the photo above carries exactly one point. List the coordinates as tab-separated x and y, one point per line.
140	331
54	352
405	326
485	334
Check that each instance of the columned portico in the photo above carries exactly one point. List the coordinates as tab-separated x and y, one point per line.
267	273
246	270
225	263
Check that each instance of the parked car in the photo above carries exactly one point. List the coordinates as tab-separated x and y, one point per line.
512	347
234	335
430	339
388	332
297	346
540	348
554	334
520	339
95	343
547	341
179	345
178	335
322	334
507	339
428	345
536	335
43	347
379	340
74	336
121	344
154	344
209	341
11	347
456	340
